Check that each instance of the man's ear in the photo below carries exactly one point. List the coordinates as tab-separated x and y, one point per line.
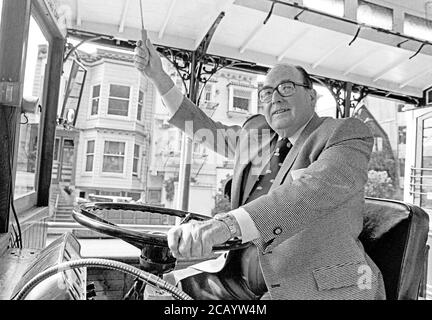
314	96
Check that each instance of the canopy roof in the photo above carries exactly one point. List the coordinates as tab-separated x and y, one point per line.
319	43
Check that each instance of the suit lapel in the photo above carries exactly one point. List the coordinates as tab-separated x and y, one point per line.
258	165
292	155
250	151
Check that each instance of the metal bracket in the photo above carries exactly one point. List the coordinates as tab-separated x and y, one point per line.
338	90
10	94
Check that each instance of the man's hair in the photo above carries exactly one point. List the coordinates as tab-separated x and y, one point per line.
307	80
306	77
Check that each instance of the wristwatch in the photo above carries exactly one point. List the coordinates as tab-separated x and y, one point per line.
230	222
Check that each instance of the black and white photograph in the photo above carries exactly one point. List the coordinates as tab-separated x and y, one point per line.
232	152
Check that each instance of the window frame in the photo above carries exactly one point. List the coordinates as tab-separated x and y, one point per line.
105	173
231	90
121	99
87	154
92	98
138	159
39	197
140	106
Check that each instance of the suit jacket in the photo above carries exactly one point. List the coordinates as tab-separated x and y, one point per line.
311	218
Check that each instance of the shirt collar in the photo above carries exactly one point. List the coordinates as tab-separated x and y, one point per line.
297	134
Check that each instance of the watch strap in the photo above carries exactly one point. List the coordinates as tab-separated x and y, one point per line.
230	222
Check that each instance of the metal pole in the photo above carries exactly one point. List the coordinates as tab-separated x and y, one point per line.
195	75
49	116
186	164
348	97
14	29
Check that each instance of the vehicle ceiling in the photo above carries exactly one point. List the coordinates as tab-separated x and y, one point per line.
320	44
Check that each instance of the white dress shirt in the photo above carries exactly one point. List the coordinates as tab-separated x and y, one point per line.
172	100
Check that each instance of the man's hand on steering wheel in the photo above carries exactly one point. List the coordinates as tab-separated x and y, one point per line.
197	238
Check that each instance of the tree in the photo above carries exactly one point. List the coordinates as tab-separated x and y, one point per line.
379	185
382	176
222	203
170	188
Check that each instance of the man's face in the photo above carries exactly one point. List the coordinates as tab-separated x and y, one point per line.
286	115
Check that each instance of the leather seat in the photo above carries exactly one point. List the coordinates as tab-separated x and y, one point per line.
395	236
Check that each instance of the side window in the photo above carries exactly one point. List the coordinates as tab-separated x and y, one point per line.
95	100
136	160
90	155
29	130
140	105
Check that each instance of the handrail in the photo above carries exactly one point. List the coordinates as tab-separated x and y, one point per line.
56	206
417	188
56	202
422	169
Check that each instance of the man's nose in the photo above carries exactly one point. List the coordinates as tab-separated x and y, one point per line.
276	97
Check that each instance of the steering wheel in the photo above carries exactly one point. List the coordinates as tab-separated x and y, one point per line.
155	254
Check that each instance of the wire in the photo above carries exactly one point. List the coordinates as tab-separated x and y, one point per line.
10	181
14	238
418	51
25	116
270	13
20	244
356	36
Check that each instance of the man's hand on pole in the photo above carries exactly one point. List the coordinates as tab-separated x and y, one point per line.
147	59
148	62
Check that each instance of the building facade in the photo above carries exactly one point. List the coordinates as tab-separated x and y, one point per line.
115	125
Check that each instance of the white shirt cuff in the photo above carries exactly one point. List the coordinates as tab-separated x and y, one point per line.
173	99
247	226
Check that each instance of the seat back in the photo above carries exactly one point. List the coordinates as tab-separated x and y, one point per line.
394	236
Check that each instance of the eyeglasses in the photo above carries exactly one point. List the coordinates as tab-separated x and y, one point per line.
285	89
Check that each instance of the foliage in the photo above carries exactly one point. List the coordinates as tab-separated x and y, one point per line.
170	188
380	161
382	176
222	203
379	185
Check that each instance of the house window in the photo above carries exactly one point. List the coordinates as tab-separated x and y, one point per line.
378	144
114	155
241	100
90	155
136	159
154	196
95	100
208	93
118	102
140	105
402	132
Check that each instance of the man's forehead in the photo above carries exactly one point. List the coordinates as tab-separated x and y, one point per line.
281	73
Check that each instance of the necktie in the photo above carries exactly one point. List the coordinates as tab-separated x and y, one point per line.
267	177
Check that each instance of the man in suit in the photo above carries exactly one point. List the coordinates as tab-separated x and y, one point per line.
297	195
